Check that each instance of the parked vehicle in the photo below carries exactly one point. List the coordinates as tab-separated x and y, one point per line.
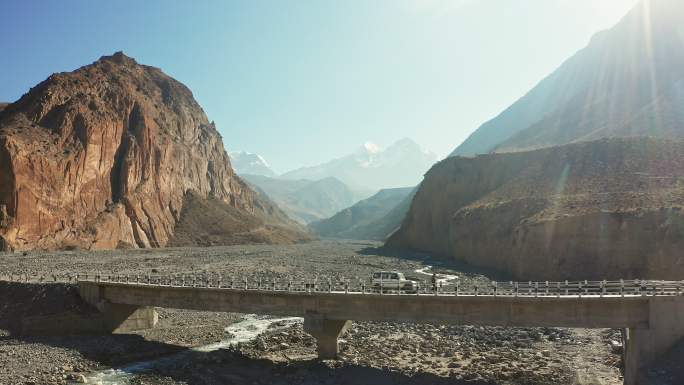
393	281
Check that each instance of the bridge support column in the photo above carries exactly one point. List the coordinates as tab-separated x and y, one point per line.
117	318
643	346
326	331
126	318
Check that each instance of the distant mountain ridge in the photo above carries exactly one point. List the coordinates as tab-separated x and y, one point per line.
400	165
306	200
367	219
627	82
244	162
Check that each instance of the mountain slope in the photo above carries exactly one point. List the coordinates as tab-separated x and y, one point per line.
400	165
305	200
606	209
249	163
108	156
363	220
627	82
209	222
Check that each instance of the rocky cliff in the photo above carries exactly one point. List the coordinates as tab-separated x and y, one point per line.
106	156
604	209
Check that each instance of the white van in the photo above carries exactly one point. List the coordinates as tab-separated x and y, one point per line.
393	281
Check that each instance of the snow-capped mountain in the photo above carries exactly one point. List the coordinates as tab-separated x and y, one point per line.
400	165
248	163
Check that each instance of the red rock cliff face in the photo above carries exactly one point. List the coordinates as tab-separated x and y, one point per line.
104	156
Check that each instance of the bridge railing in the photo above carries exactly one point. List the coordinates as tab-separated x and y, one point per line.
365	286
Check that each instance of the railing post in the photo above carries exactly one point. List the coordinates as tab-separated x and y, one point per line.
579	289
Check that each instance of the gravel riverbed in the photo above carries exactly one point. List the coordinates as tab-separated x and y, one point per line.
371	353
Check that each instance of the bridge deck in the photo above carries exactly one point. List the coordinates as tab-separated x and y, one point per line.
525	309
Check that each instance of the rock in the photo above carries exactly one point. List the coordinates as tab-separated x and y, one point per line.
616	347
107	157
78	378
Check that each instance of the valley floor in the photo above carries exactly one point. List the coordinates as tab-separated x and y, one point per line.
372	353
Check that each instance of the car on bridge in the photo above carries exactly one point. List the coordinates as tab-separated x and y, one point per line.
382	281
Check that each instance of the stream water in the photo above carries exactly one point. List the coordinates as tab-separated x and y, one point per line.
240	332
441	278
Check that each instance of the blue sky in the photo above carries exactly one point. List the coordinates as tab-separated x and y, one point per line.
301	82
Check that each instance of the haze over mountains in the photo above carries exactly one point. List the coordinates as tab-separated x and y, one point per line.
372	168
306	200
593	207
627	82
315	193
372	218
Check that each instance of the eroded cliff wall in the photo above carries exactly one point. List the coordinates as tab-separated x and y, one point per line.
104	156
605	209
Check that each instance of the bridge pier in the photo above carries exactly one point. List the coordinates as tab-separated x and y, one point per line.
117	318
643	346
326	332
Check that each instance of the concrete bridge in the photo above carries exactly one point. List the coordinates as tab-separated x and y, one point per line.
650	312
